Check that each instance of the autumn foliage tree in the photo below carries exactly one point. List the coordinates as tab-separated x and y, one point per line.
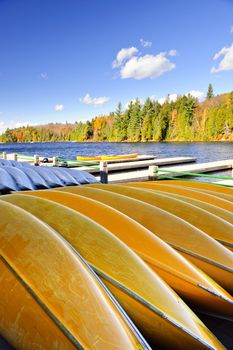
185	119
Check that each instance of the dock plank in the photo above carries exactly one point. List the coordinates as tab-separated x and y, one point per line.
139	158
142	175
142	164
127	176
225	182
199	168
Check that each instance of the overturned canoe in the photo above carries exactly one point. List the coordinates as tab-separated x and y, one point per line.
155	308
48	295
219	212
204	203
216	227
200	185
189	282
206	197
199	248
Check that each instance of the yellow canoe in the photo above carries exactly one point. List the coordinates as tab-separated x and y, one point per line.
199	248
213	198
49	299
176	192
188	281
121	156
156	309
200	185
219	212
85	158
214	192
211	224
108	157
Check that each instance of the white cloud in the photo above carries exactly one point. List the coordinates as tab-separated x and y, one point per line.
172	53
13	124
169	98
2	127
226	63
21	124
95	101
197	94
172	97
231	29
145	43
44	76
123	55
59	108
148	66
162	100
133	100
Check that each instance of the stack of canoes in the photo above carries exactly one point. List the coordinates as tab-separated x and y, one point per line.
21	176
125	266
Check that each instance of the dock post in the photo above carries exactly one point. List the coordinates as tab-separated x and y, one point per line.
55	161
36	159
104	172
15	156
153	172
4	155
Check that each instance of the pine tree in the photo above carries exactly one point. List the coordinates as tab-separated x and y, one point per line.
134	128
210	92
125	124
118	123
146	120
163	122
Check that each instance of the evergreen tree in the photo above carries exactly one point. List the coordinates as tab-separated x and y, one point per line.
155	120
184	119
146	120
117	126
125	124
134	128
163	121
210	92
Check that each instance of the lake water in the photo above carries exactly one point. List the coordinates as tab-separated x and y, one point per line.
204	152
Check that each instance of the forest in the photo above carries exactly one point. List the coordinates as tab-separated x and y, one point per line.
185	119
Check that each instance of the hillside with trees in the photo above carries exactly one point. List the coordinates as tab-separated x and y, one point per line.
185	119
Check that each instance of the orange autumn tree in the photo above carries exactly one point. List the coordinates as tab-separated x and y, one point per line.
102	128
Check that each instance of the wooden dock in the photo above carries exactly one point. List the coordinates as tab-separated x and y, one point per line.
126	160
114	167
143	175
198	168
225	182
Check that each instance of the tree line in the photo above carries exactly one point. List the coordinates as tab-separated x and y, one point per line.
185	119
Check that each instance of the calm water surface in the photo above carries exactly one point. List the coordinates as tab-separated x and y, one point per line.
204	152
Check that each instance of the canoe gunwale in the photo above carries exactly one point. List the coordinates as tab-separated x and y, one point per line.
216	294
151	307
211	262
226	244
182	277
95	272
45	308
164	268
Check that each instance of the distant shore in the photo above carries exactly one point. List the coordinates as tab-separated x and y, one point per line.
122	142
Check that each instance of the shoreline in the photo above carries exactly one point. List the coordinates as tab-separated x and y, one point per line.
121	142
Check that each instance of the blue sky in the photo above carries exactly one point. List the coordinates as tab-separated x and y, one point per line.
68	60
